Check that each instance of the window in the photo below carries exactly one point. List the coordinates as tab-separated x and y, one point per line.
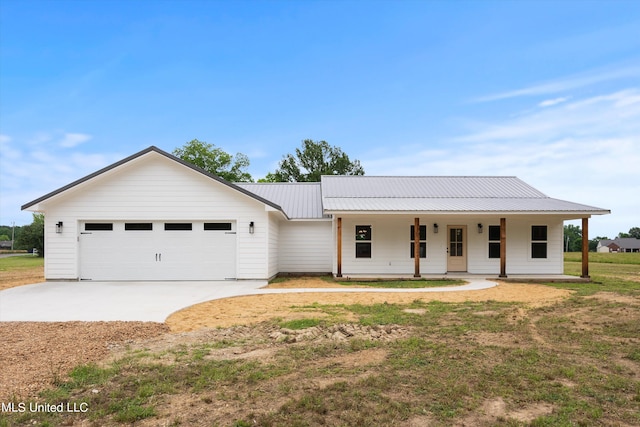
98	226
494	241
138	226
178	226
221	226
423	241
538	241
363	241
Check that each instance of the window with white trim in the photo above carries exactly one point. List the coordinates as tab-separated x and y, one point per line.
423	241
363	241
494	241
538	241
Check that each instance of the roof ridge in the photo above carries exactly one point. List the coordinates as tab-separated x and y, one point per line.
419	176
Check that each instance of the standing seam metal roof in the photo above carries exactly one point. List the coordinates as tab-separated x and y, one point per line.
440	194
299	200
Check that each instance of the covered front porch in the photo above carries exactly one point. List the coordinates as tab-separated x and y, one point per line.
531	278
522	247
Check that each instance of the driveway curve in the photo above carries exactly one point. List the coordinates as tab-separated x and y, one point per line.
148	301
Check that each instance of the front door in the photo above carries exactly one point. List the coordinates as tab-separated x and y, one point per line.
457	248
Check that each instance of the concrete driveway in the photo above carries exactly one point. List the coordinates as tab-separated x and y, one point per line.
148	301
93	301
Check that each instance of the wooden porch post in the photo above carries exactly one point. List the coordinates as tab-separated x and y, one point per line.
416	247
585	248
339	248
503	247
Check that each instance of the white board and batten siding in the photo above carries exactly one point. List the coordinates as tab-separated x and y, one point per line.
391	245
305	247
155	189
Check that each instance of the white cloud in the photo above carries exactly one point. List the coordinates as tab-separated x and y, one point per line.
33	166
71	140
551	102
586	151
566	84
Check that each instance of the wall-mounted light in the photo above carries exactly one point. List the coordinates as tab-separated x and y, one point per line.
435	228
480	228
59	227
251	227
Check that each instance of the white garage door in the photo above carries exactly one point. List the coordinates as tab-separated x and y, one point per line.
154	250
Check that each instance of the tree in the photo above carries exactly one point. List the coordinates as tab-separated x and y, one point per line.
634	232
215	160
313	160
32	235
572	238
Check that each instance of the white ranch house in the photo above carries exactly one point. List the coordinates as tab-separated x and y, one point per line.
153	216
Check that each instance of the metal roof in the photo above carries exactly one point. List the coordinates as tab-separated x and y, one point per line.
441	194
299	200
380	193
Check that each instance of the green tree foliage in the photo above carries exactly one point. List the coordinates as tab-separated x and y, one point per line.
215	160
32	235
572	238
311	161
634	232
4	237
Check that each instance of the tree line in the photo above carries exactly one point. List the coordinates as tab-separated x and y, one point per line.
573	238
306	164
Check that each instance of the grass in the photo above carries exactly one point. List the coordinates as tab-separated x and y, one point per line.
14	263
404	284
383	283
579	358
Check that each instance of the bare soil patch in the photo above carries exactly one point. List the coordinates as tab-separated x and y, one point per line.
34	355
20	277
258	308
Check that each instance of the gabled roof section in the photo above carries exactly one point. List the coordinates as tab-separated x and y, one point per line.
299	200
455	194
622	242
142	153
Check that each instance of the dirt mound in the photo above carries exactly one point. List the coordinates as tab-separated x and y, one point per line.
341	332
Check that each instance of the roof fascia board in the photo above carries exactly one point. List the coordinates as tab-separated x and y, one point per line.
572	214
140	154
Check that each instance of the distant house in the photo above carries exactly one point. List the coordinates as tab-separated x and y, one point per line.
619	244
6	244
153	216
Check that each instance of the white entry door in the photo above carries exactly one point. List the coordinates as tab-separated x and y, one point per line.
457	248
157	250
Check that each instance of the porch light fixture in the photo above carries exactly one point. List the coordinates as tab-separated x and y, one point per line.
480	228
251	227
435	228
59	227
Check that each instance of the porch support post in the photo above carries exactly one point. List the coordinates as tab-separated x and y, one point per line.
585	248
503	247
416	247
339	248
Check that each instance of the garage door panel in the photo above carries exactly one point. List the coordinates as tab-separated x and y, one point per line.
140	253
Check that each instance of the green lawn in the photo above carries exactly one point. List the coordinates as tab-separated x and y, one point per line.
20	262
575	363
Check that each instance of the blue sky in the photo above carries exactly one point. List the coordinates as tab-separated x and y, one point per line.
548	91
